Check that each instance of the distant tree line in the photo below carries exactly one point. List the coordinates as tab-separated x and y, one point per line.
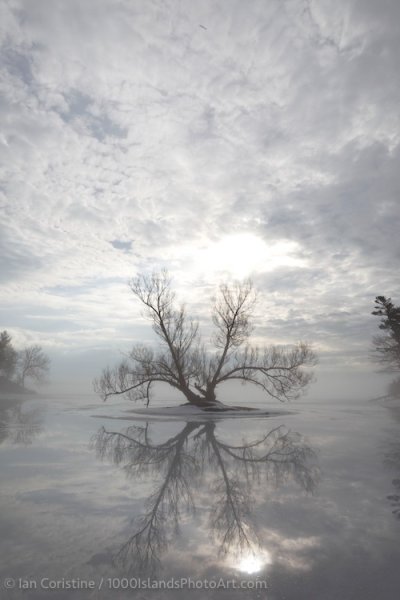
30	363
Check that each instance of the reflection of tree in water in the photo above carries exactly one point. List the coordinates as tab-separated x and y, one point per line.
196	455
392	454
19	425
394	388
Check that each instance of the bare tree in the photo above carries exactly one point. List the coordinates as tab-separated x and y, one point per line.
33	364
183	362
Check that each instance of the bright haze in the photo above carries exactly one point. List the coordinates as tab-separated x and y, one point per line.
218	139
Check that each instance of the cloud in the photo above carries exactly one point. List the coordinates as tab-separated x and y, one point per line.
132	138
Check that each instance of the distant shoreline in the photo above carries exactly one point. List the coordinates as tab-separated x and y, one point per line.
11	387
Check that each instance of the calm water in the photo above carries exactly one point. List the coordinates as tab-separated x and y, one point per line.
302	503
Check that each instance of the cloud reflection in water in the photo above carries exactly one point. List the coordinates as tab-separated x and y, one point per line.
196	465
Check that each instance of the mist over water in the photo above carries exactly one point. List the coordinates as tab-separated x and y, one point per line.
328	386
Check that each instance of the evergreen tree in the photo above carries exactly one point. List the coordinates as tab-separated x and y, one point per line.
8	356
387	345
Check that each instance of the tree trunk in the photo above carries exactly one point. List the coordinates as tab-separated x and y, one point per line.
201	401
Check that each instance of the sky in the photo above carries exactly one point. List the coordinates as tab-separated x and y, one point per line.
218	139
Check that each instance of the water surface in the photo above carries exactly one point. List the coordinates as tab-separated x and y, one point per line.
305	503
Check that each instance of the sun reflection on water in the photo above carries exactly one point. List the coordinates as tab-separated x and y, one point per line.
253	563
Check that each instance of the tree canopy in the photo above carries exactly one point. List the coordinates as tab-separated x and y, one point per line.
29	363
182	360
8	356
33	364
387	345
